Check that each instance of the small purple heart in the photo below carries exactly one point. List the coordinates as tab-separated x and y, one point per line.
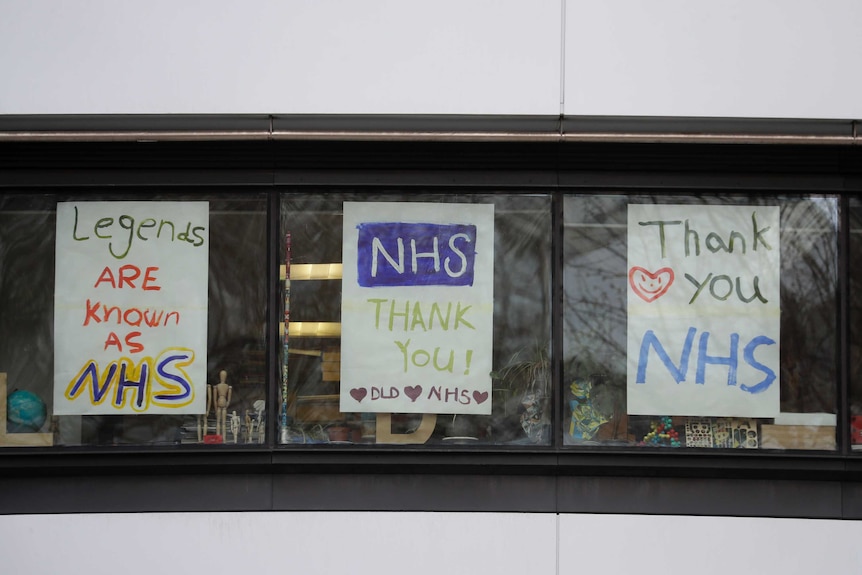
480	397
413	391
358	393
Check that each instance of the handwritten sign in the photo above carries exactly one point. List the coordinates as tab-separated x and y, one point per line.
417	308
130	307
703	310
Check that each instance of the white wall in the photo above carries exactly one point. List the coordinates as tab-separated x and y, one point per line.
744	58
423	543
275	56
732	58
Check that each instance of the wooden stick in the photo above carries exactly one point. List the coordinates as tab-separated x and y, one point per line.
284	372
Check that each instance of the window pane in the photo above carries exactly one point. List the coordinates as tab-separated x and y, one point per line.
119	308
424	329
855	313
700	358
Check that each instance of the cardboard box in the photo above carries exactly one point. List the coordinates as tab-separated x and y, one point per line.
819	437
318	409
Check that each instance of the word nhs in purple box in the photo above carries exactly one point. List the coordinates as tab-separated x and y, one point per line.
415	254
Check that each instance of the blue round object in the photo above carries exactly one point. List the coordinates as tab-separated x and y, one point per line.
25	412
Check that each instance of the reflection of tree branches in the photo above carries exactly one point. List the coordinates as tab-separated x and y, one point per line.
808	288
594	281
237	286
522	278
26	293
595	314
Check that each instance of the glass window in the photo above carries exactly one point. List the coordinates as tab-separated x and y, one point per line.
160	298
700	321
855	312
423	318
433	329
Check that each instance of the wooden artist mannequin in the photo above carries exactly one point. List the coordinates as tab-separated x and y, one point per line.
202	419
221	401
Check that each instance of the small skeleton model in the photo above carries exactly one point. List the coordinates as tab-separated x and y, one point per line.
202	419
234	426
221	401
255	421
259	408
249	427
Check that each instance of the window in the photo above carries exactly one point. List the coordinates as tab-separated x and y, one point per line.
855	312
736	325
424	317
107	307
482	372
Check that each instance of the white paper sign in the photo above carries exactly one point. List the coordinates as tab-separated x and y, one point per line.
703	310
130	307
417	308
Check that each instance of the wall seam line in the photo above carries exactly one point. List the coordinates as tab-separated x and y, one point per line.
562	60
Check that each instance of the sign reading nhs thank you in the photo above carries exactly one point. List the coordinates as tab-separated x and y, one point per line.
703	310
417	307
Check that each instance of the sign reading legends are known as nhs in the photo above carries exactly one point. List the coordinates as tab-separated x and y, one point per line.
130	307
417	307
703	310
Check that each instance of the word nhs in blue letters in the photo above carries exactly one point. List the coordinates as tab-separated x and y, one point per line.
730	361
415	254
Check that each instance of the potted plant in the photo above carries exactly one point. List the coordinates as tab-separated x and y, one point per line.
526	380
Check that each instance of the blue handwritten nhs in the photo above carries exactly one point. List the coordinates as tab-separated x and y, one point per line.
731	361
415	254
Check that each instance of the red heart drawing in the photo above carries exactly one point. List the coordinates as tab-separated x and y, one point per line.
649	286
358	393
480	397
413	391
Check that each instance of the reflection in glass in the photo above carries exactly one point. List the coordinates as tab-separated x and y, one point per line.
521	408
855	325
595	323
235	334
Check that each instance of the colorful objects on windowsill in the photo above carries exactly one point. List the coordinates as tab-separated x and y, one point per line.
586	419
856	429
662	434
721	433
